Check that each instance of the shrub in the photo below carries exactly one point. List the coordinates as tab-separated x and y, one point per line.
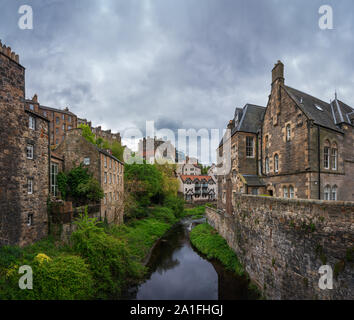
176	204
164	214
108	258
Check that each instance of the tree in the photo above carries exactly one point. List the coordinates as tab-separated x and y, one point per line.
87	133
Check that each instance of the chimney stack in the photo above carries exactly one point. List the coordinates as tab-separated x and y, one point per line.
278	73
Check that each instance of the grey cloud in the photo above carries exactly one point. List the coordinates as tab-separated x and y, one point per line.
180	63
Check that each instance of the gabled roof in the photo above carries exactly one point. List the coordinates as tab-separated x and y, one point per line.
191	177
249	119
325	114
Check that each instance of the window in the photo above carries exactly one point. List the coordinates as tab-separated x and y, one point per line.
288	132
30	186
267	165
45	113
285	192
30	151
31	107
105	161
249	147
63	116
326	158
105	199
110	163
334	193
276	163
292	192
53	179
70	127
32	123
117	179
57	141
87	161
57	130
105	177
30	220
327	192
69	119
334	155
63	127
255	192
57	120
110	178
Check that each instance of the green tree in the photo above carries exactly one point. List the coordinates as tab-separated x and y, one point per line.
87	133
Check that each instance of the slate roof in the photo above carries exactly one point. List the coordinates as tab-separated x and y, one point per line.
253	180
108	154
325	114
249	119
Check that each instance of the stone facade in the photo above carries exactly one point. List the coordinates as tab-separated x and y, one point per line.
106	169
302	147
60	120
24	159
151	149
282	243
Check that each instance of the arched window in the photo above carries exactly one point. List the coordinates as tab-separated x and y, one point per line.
327	192
334	156
334	193
276	163
285	192
326	155
288	132
267	165
291	192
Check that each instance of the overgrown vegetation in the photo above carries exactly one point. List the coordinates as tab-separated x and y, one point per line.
210	243
116	148
80	186
98	262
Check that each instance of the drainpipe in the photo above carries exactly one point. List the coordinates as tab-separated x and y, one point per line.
319	161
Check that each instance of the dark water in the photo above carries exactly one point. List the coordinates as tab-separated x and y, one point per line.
179	272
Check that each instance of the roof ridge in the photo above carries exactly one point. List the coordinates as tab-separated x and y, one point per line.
306	94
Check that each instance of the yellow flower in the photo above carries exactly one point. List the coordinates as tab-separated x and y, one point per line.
41	257
13	269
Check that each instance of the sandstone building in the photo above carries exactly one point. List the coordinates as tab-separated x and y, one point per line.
151	149
60	120
297	147
24	159
106	169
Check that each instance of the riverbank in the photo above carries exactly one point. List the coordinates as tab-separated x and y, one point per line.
98	263
207	241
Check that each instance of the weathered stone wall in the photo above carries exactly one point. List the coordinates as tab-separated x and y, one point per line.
282	243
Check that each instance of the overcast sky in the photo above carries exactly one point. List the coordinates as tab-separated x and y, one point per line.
182	63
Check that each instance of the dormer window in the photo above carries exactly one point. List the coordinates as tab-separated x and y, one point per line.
318	107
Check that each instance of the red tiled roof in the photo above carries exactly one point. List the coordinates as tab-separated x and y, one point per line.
185	177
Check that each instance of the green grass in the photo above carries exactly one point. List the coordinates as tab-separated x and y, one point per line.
211	244
194	213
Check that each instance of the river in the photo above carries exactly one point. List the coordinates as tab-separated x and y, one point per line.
178	272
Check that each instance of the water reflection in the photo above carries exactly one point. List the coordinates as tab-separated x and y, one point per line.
178	272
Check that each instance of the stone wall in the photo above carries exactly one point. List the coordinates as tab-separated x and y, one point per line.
282	243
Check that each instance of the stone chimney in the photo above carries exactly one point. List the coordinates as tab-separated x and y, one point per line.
278	73
35	98
230	125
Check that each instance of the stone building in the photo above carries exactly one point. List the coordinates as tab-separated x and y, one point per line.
60	120
106	169
24	159
99	133
241	174
189	167
151	149
297	147
306	146
197	188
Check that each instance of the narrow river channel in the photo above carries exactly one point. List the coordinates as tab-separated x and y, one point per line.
179	272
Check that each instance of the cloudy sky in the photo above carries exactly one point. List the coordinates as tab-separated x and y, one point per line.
182	63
